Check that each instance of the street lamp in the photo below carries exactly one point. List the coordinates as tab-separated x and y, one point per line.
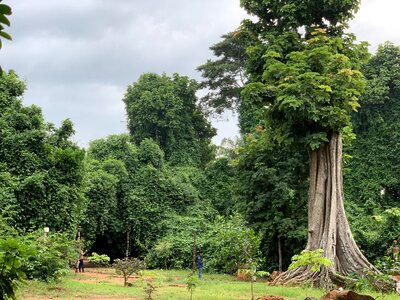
46	231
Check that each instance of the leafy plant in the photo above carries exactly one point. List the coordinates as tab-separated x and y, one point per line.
12	254
52	256
149	289
128	267
99	259
379	282
312	259
191	283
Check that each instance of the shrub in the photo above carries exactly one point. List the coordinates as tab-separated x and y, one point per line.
12	254
99	259
129	266
52	256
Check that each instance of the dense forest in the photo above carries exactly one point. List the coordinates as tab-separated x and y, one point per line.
150	192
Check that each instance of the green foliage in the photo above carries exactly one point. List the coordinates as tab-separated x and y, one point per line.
174	248
130	189
149	289
5	11
380	282
12	254
41	170
191	283
219	188
293	14
313	259
371	174
388	265
271	192
226	244
52	256
99	259
164	109
230	244
314	90
225	76
129	266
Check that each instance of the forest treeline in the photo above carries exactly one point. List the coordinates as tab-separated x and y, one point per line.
149	192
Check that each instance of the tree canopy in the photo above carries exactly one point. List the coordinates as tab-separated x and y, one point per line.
165	109
41	170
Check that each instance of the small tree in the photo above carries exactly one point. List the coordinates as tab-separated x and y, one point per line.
313	260
191	284
129	266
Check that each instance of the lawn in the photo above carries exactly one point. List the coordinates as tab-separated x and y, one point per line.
105	284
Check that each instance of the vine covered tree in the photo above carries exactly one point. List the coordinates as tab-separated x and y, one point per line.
309	85
41	169
372	182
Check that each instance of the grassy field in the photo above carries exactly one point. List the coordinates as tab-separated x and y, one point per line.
105	284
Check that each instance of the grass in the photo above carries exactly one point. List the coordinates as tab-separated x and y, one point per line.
104	284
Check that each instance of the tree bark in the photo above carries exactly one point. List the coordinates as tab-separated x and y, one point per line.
328	228
280	253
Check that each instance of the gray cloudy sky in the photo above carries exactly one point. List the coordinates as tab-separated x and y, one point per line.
78	57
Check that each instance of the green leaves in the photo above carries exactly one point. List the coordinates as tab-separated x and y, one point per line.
5	10
164	109
45	165
313	259
315	89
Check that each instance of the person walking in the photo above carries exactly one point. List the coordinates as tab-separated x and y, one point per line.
200	265
81	266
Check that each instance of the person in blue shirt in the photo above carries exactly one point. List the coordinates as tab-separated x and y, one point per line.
200	265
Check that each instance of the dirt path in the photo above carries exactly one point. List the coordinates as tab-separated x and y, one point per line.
91	276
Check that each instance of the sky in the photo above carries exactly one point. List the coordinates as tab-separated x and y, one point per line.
78	57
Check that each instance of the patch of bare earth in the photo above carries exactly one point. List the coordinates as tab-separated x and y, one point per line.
92	297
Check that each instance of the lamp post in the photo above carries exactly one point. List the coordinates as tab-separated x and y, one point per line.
46	232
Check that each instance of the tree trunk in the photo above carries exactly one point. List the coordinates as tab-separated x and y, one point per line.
328	228
280	253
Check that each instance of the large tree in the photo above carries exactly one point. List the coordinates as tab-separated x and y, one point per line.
309	85
165	109
372	174
41	170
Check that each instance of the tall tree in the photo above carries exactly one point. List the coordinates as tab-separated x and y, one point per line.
309	89
164	109
225	76
372	177
41	170
271	192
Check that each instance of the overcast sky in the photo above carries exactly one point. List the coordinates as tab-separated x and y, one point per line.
78	57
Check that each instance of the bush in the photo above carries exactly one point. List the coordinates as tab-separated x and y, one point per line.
52	256
99	259
12	254
230	244
128	267
13	251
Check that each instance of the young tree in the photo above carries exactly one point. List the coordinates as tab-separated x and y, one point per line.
309	89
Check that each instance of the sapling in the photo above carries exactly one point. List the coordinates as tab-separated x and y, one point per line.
312	259
129	266
191	283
